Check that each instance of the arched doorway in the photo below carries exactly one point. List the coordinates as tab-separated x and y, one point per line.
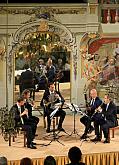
39	42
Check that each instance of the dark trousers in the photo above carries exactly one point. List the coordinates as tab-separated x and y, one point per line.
60	113
35	119
97	127
32	125
29	133
87	122
104	126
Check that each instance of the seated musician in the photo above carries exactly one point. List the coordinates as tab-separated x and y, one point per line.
20	116
29	104
105	118
94	103
51	97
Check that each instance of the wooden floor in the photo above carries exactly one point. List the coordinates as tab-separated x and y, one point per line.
17	151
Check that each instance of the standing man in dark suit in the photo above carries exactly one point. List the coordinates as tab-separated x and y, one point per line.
86	120
26	79
50	98
106	119
21	118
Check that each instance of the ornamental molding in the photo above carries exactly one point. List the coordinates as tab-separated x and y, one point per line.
54	27
40	10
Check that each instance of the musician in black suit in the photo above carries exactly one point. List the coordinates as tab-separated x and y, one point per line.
21	120
29	104
105	118
50	98
86	120
26	79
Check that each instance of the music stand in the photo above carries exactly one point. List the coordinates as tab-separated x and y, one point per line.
74	122
53	114
55	135
84	114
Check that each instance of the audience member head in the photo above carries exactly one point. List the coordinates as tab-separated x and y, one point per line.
49	62
26	66
51	86
93	93
75	154
49	160
26	161
26	94
41	61
3	160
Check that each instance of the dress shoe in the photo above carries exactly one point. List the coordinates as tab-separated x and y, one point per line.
91	130
33	143
106	140
31	146
84	136
96	139
48	130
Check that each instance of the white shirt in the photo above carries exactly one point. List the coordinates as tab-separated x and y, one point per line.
107	106
92	102
19	108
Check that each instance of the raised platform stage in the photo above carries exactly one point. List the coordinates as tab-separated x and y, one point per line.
93	153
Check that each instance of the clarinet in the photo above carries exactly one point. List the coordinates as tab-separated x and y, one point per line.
97	110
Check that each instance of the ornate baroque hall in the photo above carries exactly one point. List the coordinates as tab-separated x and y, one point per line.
81	43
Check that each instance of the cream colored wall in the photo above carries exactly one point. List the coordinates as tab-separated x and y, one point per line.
78	24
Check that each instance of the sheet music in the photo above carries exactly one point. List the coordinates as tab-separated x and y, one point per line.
54	112
77	109
57	105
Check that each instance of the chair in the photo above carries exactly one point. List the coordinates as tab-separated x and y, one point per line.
113	129
12	137
113	132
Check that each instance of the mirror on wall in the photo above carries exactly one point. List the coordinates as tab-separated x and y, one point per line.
39	49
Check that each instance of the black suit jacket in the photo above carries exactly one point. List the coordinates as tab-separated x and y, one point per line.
29	107
17	118
111	113
97	103
27	79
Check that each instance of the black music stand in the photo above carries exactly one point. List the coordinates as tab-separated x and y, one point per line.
74	122
55	136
